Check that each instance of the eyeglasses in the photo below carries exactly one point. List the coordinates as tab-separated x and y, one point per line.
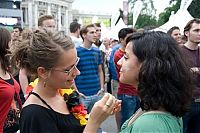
68	71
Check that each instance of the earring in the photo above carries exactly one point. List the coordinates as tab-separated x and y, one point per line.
44	84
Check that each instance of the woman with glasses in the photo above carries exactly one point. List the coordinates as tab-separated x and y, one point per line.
53	58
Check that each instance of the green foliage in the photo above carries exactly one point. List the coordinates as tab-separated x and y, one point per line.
146	22
164	16
147	16
143	21
194	9
148	6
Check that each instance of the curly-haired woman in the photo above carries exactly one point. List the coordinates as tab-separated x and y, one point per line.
153	64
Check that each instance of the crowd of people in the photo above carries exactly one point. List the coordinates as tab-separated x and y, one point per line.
150	80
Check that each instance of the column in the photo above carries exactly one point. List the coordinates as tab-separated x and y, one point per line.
30	14
48	9
67	21
36	15
59	18
26	15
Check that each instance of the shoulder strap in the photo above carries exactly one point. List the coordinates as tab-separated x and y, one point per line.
38	96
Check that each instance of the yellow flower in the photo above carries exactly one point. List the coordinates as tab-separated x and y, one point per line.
63	91
82	118
34	83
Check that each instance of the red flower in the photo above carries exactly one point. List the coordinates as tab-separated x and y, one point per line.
79	109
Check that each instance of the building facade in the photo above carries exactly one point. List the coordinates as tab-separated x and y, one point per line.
61	10
87	17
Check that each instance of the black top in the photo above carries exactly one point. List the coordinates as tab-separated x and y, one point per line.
38	119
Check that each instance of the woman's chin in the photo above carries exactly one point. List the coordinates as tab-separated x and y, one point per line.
127	82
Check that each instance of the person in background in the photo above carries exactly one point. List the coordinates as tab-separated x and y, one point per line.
75	33
165	95
174	32
16	33
90	83
46	21
191	53
8	85
97	42
126	92
45	110
105	48
16	72
113	72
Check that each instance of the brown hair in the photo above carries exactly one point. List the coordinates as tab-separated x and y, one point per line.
42	18
97	24
42	49
84	30
5	38
189	24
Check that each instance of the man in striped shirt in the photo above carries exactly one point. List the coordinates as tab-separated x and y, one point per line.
90	83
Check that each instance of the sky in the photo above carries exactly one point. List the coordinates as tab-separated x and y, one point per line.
110	6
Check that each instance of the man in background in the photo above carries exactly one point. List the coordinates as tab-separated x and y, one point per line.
191	52
75	33
126	93
46	21
90	83
174	32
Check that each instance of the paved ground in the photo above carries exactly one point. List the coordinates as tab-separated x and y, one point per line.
109	126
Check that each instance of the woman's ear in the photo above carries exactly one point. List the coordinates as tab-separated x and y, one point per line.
42	72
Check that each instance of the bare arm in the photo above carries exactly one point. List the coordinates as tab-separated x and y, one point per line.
23	80
101	76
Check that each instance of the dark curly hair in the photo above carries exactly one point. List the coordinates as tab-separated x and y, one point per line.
164	78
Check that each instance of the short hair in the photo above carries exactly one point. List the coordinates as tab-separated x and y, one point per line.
97	24
41	49
18	27
84	30
164	78
172	29
42	18
189	25
123	32
74	26
5	38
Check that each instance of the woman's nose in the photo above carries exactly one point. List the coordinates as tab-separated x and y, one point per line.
120	61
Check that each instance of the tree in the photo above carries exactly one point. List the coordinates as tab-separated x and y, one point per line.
193	9
146	21
147	16
164	16
148	7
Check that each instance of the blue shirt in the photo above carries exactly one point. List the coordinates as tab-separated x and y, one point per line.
88	81
112	69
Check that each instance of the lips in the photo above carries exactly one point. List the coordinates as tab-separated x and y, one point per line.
72	81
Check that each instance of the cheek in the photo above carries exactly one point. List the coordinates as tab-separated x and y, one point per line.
58	78
129	74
